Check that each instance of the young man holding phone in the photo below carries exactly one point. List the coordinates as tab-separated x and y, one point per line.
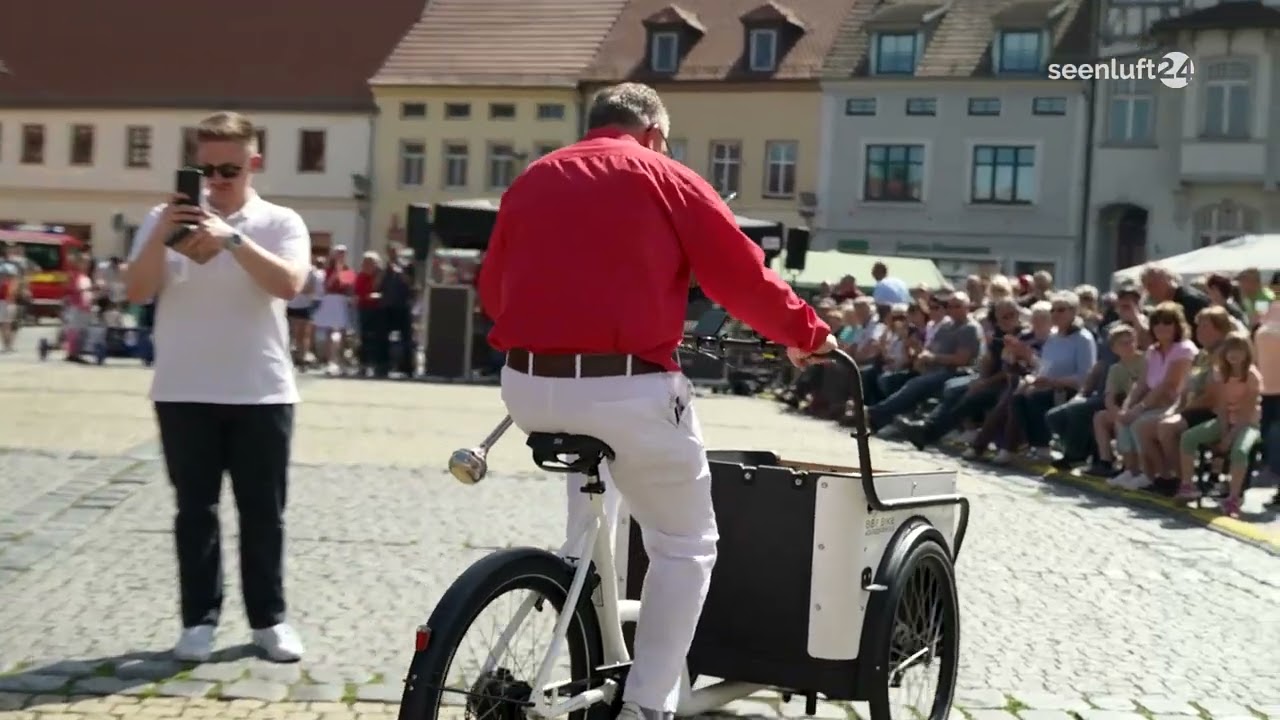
221	266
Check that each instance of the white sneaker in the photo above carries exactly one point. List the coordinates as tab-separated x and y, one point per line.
1040	453
195	644
1140	482
280	642
970	454
1004	457
1122	480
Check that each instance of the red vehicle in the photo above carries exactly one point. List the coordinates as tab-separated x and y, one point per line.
50	253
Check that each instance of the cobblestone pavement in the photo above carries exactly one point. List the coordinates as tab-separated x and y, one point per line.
1070	604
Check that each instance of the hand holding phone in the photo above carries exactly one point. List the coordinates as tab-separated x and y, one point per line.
187	189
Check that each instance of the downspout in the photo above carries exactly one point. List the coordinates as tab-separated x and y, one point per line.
1091	106
366	205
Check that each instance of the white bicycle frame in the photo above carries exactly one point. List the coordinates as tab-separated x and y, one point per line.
592	544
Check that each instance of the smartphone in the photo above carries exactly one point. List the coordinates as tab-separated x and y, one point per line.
711	324
188	184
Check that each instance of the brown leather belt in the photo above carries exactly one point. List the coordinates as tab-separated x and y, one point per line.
579	366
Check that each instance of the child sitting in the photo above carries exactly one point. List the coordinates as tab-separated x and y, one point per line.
1121	378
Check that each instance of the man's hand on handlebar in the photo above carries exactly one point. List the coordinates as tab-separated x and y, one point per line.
801	358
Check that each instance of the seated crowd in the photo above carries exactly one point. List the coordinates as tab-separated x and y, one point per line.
1130	386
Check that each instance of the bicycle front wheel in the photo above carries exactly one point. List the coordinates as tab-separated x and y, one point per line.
489	634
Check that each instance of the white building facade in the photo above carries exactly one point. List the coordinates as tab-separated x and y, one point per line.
97	172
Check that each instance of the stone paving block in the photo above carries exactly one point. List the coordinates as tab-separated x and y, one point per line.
1219	708
184	688
100	685
827	711
980	699
141	689
32	683
250	689
1047	701
1045	715
1163	705
1269	711
283	673
751	708
156	669
1109	715
1108	702
380	692
331	675
990	714
218	672
317	693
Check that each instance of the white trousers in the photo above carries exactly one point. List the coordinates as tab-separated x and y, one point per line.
661	471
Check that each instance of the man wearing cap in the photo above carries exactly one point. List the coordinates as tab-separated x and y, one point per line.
640	224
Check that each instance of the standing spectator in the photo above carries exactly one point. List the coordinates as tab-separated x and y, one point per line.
888	290
223	386
1255	299
1163	285
956	345
1121	377
333	316
369	317
1235	427
1168	362
1060	371
1222	292
396	289
11	279
846	290
79	307
300	309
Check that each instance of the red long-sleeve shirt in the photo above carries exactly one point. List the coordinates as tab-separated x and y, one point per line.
593	248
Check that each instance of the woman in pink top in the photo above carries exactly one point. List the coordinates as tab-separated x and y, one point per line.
1154	396
1235	429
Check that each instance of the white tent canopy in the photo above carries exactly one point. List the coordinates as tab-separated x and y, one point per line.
1231	257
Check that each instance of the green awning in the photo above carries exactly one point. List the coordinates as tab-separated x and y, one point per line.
831	265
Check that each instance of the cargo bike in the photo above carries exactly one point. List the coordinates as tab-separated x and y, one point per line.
832	582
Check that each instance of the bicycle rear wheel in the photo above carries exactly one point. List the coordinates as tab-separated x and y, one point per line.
505	598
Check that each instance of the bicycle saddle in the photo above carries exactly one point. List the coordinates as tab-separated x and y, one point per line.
563	452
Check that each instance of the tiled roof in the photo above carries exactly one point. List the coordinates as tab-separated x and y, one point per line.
302	55
1237	15
719	53
499	42
958	44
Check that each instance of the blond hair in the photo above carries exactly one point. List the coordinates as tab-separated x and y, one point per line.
228	127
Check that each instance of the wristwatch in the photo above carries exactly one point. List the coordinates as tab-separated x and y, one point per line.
234	240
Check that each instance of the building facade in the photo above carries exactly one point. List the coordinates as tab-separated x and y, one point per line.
465	102
943	138
1176	169
91	140
740	79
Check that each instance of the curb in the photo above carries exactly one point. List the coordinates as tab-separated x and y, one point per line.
1206	517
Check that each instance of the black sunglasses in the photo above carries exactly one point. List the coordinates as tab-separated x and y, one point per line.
226	170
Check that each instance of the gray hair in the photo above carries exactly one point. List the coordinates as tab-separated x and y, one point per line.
1087	292
1043	307
629	105
1156	270
864	301
375	258
1066	297
1005	303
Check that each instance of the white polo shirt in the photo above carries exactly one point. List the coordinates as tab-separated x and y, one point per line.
220	338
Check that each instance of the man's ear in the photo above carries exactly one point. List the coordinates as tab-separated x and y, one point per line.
255	162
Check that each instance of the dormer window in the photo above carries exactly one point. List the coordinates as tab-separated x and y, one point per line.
896	53
664	51
1021	51
763	49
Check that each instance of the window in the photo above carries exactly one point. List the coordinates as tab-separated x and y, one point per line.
413	162
1224	221
984	106
81	145
860	106
188	147
502	111
550	111
1049	106
455	164
679	150
664	51
311	147
1003	174
261	136
457	111
1131	19
763	47
541	149
922	106
413	110
137	139
780	168
1020	52
1227	100
502	166
1131	112
894	173
895	54
32	145
726	166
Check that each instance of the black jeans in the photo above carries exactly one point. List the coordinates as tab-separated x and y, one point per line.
399	319
373	339
1027	413
1072	422
251	443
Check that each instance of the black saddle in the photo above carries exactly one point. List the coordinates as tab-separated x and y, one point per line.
566	453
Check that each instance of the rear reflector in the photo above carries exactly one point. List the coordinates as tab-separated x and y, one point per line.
421	638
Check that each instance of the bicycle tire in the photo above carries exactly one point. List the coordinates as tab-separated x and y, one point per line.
488	579
929	555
